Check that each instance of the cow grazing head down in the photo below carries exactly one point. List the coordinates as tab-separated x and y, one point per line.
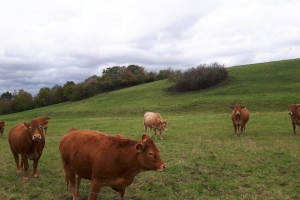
294	112
2	127
240	117
163	125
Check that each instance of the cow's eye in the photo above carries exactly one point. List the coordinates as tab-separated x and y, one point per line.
151	154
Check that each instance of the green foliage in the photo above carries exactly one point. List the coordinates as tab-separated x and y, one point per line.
201	77
204	158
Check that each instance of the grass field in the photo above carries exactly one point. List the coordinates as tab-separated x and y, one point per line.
204	158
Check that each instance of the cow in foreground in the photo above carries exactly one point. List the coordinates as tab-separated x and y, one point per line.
43	121
106	160
240	117
295	115
2	127
155	121
27	140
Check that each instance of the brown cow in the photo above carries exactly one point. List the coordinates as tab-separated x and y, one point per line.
27	140
2	126
155	121
44	122
295	115
106	160
240	117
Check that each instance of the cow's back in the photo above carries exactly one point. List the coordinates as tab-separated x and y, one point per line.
16	137
151	118
75	152
245	115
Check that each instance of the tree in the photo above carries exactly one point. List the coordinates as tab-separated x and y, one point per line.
21	101
44	97
6	96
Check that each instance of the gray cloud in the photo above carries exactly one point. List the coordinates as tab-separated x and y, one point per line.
47	43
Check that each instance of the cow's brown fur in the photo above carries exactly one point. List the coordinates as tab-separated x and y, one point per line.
106	160
155	121
43	121
28	140
2	127
240	116
295	115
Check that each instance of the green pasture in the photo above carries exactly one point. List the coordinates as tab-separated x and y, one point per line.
204	158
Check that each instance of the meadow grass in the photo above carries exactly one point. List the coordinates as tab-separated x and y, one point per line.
204	158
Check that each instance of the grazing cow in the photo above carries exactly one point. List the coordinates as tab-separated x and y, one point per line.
44	122
28	140
295	115
240	117
106	160
2	126
155	121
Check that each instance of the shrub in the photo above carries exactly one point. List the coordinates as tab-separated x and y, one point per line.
201	77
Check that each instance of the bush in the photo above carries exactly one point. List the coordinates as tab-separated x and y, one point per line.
201	77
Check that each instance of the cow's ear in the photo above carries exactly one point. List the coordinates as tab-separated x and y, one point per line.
242	107
139	147
231	107
144	137
26	124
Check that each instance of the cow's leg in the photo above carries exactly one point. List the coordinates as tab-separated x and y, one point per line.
26	166
70	179
121	192
294	127
150	131
95	189
155	132
16	156
160	134
242	130
78	180
234	129
35	165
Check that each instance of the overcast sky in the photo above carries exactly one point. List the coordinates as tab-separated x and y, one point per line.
43	43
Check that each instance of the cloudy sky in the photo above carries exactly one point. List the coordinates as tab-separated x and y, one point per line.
43	43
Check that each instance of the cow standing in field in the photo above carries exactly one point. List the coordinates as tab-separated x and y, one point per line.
2	126
43	121
295	115
106	160
155	121
240	117
28	140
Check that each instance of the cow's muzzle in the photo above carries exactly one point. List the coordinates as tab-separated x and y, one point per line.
290	113
36	137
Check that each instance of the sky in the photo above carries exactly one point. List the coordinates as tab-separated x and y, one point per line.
44	43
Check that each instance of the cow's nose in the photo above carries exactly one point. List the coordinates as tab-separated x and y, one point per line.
290	113
164	166
36	137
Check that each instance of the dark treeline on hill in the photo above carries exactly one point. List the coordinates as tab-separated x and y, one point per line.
113	78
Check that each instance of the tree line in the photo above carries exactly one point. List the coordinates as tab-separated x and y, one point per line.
113	78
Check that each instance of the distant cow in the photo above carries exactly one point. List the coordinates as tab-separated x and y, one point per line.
28	140
2	126
295	115
155	121
106	160
240	117
44	122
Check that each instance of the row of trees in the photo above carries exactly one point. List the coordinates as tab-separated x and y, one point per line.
112	78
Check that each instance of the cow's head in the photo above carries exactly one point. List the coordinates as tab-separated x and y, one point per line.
237	109
148	155
163	125
34	130
2	126
293	109
44	122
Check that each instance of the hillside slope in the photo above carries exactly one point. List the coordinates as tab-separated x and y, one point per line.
261	87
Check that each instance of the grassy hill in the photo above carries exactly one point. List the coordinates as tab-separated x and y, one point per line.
205	160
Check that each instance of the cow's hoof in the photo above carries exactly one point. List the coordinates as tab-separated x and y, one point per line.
25	178
35	175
